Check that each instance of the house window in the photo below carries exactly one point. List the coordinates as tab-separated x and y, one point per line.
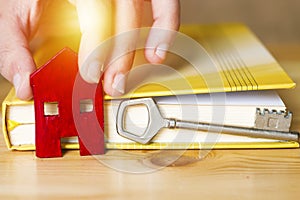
69	140
86	106
51	108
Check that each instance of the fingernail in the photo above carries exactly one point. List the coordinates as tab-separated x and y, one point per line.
161	50
17	82
119	83
94	71
22	85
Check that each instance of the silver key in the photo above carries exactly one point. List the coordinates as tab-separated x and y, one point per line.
156	122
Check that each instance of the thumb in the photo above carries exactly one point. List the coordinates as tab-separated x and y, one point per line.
16	63
95	25
18	22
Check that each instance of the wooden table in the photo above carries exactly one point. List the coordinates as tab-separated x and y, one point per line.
221	174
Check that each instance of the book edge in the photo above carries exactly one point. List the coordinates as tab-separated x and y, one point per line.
4	127
187	146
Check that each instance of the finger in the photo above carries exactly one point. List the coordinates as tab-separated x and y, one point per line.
95	25
18	23
16	63
127	20
166	15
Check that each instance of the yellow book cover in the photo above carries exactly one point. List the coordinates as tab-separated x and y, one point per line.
203	59
239	63
230	58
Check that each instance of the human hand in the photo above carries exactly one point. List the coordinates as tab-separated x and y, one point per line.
20	21
127	16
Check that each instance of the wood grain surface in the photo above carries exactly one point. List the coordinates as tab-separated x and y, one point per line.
217	174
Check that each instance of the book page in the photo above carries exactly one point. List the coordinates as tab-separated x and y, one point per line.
250	98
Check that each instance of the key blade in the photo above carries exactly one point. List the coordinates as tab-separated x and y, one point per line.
239	131
273	120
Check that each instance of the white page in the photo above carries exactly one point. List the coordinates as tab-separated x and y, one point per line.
268	98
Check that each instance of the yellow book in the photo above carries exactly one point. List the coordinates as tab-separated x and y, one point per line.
239	63
239	109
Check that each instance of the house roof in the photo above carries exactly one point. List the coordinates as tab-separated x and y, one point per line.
62	67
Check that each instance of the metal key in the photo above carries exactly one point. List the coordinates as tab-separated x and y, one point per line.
156	122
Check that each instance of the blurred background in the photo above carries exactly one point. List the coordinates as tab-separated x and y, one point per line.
274	21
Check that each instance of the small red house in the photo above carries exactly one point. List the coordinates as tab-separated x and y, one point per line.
59	84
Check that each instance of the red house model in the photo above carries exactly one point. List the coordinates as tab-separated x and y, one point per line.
59	84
